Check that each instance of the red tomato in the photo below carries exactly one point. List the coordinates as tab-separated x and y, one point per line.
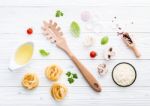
93	54
29	31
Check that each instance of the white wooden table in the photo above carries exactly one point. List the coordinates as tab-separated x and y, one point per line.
17	15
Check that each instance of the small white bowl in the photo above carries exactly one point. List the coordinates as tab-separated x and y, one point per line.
13	65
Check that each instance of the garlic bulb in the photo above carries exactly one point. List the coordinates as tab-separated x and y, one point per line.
88	41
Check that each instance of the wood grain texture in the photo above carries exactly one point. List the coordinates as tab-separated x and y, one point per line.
30	16
17	15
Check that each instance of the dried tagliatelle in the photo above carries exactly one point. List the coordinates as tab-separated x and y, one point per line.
53	72
30	81
58	91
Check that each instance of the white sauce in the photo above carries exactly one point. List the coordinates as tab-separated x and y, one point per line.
124	74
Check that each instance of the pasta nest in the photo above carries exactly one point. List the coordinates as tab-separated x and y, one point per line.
58	91
30	81
53	72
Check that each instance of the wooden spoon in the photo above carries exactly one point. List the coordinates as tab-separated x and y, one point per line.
129	42
52	31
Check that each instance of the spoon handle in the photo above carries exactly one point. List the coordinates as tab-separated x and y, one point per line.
86	73
136	52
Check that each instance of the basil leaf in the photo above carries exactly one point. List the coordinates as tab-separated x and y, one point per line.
75	29
59	13
104	40
43	52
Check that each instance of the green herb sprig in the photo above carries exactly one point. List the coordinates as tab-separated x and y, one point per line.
71	77
59	13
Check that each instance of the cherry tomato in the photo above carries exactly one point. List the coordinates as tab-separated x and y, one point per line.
29	31
93	54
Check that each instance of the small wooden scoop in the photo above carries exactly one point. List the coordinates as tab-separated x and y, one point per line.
53	31
129	42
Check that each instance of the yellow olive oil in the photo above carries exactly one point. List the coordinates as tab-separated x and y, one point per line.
24	54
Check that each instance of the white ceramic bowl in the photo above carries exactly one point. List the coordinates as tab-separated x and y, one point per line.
13	65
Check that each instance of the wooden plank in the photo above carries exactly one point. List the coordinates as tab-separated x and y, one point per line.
8	78
18	19
77	46
77	2
40	96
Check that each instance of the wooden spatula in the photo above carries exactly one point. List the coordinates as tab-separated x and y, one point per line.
52	31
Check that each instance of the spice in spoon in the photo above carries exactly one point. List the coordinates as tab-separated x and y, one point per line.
131	44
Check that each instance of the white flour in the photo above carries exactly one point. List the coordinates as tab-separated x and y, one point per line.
124	74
